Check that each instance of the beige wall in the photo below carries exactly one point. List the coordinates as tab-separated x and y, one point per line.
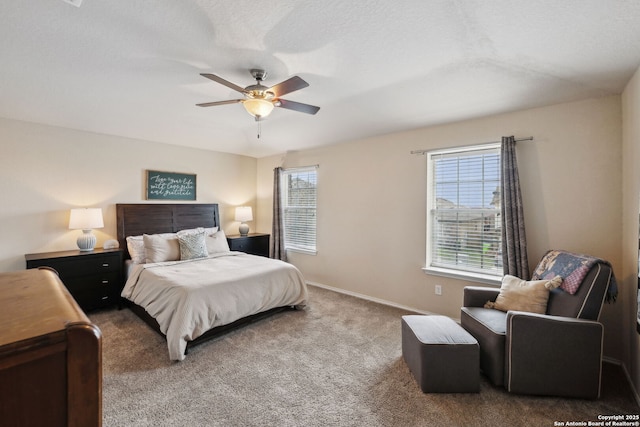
631	201
45	171
372	199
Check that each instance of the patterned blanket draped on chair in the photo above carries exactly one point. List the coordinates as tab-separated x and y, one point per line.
572	268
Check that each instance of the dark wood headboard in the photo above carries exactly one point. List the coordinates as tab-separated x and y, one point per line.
152	218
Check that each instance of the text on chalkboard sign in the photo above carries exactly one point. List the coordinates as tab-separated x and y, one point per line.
170	185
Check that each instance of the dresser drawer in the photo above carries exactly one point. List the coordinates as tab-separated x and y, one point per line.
81	266
92	300
93	282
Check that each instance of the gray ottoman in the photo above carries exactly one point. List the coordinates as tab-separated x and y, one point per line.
443	357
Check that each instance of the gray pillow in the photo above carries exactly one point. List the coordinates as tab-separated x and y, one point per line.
192	244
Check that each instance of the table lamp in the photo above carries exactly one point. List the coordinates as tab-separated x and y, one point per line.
244	214
86	219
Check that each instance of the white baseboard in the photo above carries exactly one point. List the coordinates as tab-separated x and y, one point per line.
369	298
404	307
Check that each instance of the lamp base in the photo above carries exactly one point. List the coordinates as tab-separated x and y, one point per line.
244	229
86	241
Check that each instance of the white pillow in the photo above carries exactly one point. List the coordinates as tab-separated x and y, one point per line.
523	295
217	243
161	247
135	246
208	231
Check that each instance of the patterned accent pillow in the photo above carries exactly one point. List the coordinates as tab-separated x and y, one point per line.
135	246
192	244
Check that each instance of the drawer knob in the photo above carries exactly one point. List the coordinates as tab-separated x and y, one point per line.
105	298
105	282
106	264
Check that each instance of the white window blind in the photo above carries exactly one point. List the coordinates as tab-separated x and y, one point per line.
299	192
464	224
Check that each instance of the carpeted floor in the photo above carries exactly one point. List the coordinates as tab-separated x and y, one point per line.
337	363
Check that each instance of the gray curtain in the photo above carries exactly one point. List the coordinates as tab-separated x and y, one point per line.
514	242
276	249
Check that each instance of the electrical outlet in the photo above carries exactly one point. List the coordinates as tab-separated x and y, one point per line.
438	289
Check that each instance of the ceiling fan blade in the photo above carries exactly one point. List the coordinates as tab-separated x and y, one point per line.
288	86
211	104
298	106
223	82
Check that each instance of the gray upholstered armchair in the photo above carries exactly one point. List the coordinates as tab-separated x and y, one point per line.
558	353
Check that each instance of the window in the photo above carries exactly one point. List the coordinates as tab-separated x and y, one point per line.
464	228
299	190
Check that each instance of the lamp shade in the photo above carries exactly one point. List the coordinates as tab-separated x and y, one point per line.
85	219
244	213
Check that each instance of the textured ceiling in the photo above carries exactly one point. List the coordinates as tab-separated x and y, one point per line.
131	68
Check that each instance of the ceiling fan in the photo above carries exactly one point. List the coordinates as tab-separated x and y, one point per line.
260	100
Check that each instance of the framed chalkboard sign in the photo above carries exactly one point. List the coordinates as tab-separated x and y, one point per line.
170	186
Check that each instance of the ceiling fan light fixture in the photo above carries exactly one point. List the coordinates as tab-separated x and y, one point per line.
259	100
257	107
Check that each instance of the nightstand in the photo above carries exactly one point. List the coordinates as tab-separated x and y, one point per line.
252	243
94	278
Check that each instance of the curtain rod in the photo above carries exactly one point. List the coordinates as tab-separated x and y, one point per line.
529	138
317	166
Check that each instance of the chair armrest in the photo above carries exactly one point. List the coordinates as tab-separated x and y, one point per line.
477	296
553	355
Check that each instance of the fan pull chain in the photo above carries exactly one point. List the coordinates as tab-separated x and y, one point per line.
259	129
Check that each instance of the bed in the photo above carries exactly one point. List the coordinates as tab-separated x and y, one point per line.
192	300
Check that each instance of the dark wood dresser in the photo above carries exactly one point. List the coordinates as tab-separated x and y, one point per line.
50	354
94	278
252	243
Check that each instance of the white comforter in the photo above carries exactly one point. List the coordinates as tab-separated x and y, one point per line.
188	298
